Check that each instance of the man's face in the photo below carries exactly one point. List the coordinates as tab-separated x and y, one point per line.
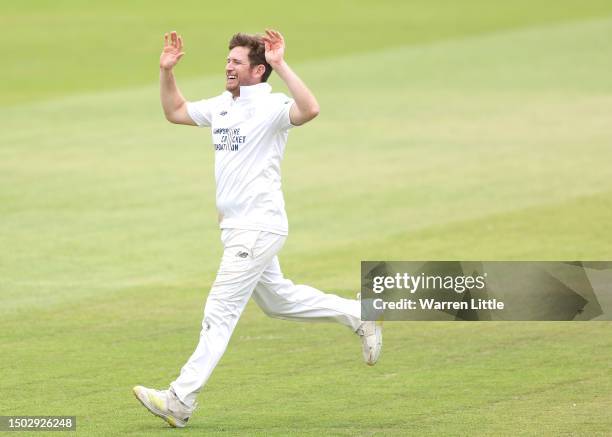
238	71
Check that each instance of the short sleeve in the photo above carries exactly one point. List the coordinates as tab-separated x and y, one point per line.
280	112
200	112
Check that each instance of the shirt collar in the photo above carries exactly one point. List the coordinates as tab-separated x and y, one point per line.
251	91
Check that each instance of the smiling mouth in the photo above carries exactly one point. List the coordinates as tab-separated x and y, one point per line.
230	77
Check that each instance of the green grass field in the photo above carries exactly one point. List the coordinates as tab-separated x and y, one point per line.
455	130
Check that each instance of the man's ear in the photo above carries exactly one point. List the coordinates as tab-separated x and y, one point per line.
260	70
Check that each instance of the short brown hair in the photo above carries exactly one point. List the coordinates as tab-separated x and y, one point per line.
257	51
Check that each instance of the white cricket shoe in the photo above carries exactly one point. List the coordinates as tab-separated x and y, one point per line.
164	404
371	341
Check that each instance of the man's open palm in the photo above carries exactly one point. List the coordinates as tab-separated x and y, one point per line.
275	47
172	52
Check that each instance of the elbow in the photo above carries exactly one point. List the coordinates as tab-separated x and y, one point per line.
175	114
312	112
304	114
171	117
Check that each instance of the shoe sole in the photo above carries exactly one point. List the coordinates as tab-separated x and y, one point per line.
172	421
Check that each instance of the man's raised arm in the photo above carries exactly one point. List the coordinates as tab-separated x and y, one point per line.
306	106
173	102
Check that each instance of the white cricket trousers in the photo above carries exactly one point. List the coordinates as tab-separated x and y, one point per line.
249	266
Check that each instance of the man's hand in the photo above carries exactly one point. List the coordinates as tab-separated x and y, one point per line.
172	52
275	47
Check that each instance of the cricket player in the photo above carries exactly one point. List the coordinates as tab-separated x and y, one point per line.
249	126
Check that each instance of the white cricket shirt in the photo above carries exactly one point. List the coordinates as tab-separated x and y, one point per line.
249	135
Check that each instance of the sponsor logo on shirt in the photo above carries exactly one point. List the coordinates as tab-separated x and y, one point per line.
222	113
228	138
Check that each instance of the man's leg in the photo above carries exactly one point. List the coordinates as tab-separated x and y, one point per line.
246	254
281	298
